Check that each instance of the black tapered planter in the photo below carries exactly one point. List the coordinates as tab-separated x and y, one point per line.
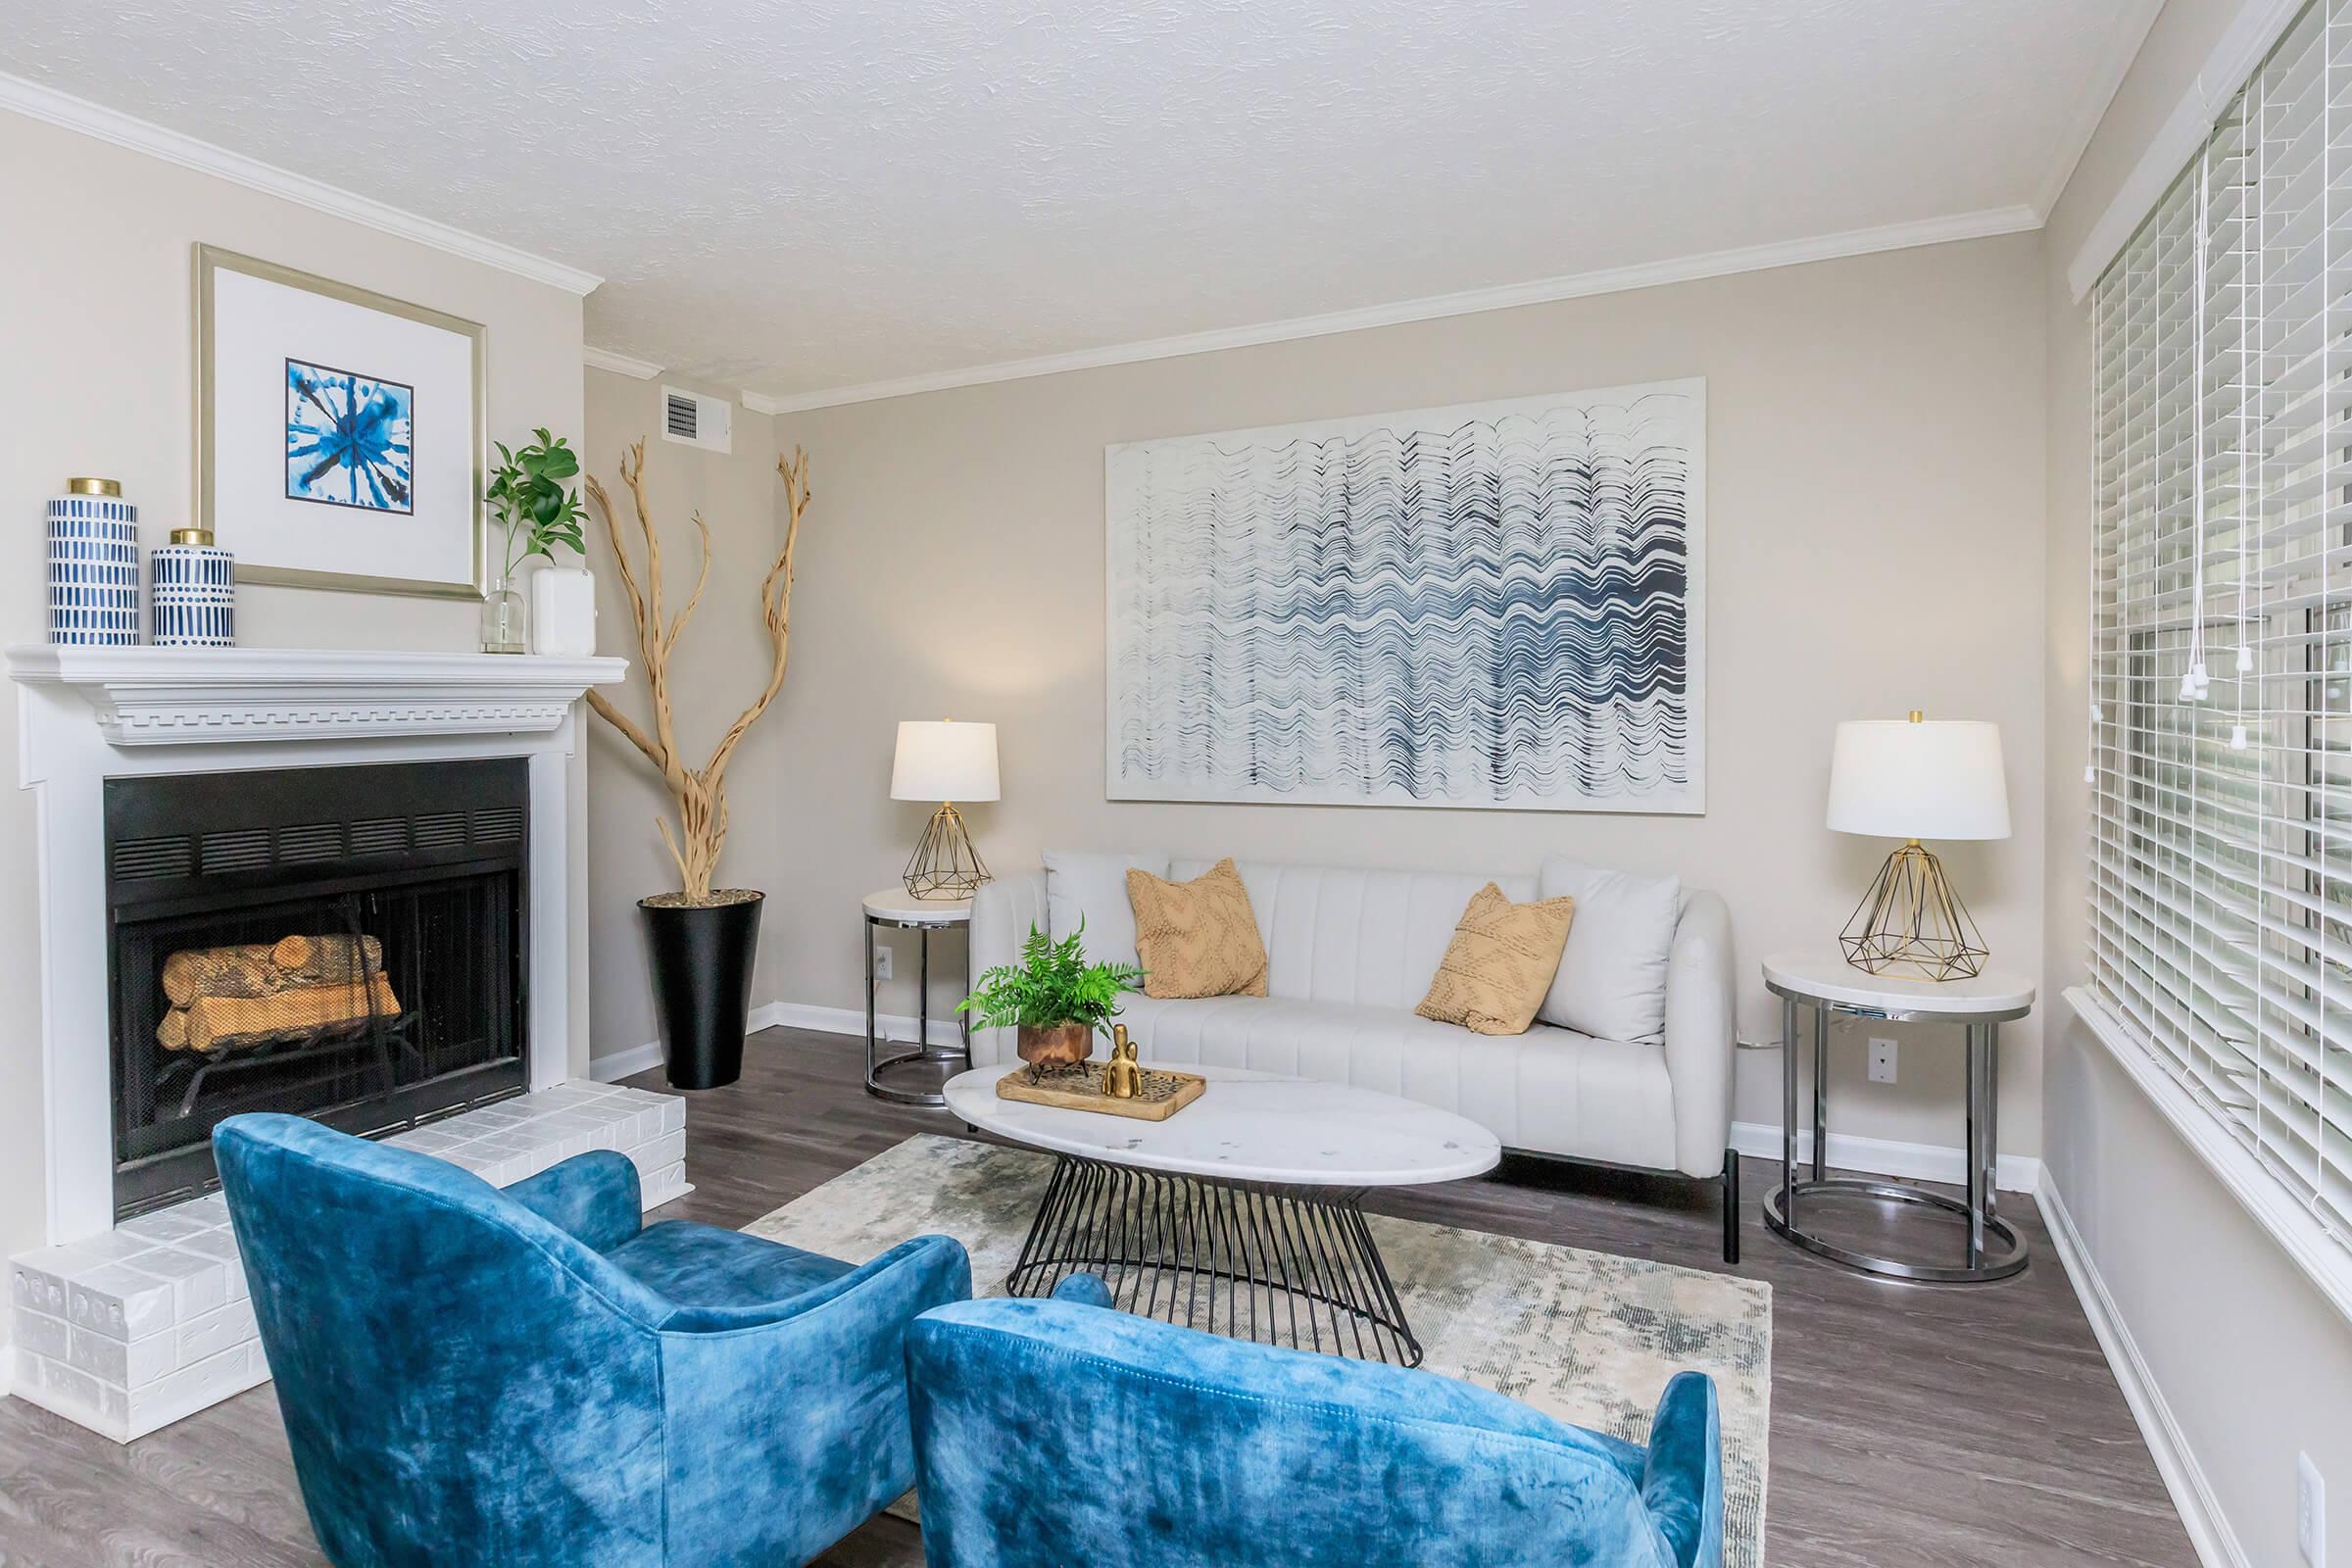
702	961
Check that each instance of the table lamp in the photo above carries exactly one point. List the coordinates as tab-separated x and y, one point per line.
1914	779
940	759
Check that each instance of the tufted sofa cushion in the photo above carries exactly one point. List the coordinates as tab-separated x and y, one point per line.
1340	935
1083	887
1546	1089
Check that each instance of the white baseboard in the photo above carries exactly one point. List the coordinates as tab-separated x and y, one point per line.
622	1064
2192	1495
1886	1157
896	1026
848	1021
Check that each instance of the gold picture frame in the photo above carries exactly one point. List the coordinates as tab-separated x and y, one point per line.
210	261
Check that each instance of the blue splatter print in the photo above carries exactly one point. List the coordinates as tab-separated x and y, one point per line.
348	439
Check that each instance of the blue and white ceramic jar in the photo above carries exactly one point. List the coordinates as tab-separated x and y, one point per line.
192	587
93	565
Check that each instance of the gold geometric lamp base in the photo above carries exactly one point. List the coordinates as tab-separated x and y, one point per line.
1912	920
944	864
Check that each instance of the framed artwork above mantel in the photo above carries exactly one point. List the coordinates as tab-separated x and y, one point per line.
341	434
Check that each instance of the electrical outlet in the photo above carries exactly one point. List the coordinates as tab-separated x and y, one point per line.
1882	1061
881	964
2311	1513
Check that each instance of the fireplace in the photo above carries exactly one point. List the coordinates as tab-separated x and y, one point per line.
346	942
382	851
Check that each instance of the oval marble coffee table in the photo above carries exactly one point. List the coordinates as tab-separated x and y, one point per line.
1241	1213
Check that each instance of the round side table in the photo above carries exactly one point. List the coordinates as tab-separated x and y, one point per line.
902	910
1827	984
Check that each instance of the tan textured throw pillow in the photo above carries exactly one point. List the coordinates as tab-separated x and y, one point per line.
1198	937
1500	965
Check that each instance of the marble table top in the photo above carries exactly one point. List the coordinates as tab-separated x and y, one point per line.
1828	977
898	904
1250	1126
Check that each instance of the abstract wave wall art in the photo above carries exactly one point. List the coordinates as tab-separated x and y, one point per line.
1495	605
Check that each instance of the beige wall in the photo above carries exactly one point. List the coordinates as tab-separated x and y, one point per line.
95	376
1875	535
2247	1355
719	667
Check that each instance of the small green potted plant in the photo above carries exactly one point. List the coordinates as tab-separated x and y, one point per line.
535	512
1053	999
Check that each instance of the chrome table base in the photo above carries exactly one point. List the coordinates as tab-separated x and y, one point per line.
1293	1266
1992	1249
876	1063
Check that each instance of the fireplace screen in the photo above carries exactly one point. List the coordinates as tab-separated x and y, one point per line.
339	943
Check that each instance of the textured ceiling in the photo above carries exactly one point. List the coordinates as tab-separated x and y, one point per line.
790	197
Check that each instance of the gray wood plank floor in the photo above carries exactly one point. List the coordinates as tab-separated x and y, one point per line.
1912	1427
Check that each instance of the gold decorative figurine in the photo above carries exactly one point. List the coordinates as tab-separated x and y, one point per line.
1123	1077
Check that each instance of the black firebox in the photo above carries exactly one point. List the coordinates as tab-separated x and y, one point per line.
344	943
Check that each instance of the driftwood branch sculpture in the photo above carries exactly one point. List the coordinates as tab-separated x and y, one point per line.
700	793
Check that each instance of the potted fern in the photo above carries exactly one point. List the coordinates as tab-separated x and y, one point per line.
1054	1000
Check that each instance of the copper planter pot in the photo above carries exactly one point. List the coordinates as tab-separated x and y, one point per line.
1058	1044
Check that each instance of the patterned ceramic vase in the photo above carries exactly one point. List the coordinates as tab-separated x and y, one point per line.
93	565
192	586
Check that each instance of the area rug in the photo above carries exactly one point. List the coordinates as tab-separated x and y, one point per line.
1586	1337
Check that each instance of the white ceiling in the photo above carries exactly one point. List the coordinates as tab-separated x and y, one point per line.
797	197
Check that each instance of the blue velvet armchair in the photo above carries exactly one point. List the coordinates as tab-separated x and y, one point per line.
1059	1432
528	1379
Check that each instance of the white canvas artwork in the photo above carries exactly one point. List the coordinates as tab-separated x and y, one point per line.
1496	604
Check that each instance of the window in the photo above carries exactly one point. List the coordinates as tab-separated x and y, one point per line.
2221	678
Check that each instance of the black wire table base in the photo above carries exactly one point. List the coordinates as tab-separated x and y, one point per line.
1285	1265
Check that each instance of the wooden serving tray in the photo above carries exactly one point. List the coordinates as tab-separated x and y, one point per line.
1080	1088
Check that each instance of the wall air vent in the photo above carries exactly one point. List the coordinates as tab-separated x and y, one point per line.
695	421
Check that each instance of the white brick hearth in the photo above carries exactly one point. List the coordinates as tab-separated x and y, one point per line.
132	1330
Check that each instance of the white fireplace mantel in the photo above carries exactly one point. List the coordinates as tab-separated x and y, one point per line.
87	714
197	696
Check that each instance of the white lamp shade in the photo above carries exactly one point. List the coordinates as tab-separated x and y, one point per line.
1918	779
940	759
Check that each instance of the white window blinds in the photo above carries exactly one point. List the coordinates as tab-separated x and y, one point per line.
2220	680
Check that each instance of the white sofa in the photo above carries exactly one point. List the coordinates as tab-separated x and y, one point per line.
1351	953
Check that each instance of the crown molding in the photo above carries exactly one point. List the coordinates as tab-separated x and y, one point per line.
2106	81
1543	291
44	103
596	359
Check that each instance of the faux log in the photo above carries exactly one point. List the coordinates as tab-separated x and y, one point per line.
324	959
245	971
209	1023
264	968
